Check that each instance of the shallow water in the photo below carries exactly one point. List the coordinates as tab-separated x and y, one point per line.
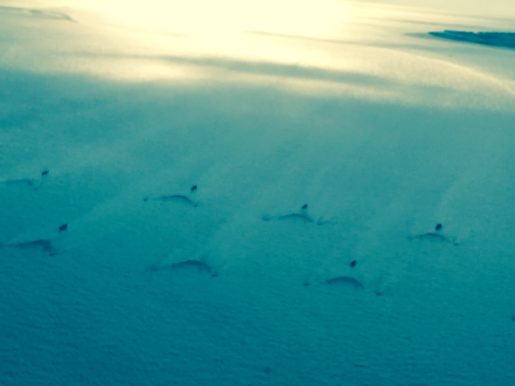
384	130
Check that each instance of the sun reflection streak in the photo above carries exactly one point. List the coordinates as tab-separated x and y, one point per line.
134	41
228	28
198	17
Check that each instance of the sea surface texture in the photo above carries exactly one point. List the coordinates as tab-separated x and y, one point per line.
283	193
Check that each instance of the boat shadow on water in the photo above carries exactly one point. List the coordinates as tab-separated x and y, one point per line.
301	216
31	183
185	199
43	245
199	266
435	236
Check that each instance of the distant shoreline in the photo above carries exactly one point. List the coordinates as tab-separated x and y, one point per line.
493	39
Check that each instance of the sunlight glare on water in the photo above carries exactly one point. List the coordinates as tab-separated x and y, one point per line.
199	17
238	30
367	50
